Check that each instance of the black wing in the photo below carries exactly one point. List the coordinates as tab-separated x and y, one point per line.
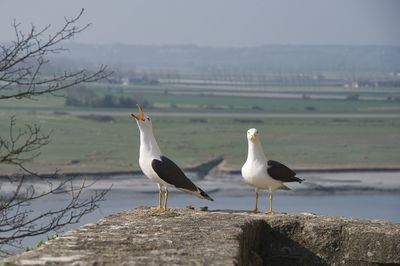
168	171
281	172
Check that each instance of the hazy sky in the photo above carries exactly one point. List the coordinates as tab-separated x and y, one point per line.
216	22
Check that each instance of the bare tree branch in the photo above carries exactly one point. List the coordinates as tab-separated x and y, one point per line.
21	65
22	60
17	220
23	144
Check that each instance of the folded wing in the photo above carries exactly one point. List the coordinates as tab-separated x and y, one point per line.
281	172
168	171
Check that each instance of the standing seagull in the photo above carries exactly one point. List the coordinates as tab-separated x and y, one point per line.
159	168
262	173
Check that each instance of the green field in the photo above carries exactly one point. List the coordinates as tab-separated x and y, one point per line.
270	105
80	144
85	145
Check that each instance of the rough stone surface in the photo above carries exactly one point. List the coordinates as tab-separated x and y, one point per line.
146	236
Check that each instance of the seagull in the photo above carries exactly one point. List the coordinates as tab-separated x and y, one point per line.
158	168
262	173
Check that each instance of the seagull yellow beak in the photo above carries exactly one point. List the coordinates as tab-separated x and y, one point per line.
141	113
253	136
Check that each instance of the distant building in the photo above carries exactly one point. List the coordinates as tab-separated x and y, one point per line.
125	81
368	84
318	77
351	85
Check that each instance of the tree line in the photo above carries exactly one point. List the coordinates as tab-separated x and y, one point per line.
82	96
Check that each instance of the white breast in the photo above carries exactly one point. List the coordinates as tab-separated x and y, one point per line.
255	173
145	165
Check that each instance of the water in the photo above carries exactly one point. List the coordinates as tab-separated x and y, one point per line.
376	196
376	206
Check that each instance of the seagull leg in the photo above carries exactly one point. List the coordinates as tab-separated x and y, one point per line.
166	199
255	210
159	199
270	212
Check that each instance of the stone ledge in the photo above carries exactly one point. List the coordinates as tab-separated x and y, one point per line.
144	236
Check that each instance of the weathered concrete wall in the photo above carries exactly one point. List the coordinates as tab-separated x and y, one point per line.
189	237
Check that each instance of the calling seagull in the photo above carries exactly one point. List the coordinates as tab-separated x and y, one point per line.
158	168
262	173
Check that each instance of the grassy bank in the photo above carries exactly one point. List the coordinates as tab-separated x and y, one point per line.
90	144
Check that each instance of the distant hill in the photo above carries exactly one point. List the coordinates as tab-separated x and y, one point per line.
272	58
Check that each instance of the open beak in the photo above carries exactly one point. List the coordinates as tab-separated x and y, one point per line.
141	113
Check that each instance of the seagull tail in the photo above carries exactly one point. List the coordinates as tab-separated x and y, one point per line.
201	194
198	193
294	179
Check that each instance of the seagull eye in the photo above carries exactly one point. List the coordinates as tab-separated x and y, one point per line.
148	118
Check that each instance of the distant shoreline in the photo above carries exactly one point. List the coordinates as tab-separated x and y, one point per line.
223	171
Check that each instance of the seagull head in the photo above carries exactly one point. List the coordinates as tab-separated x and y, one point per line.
143	121
252	134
